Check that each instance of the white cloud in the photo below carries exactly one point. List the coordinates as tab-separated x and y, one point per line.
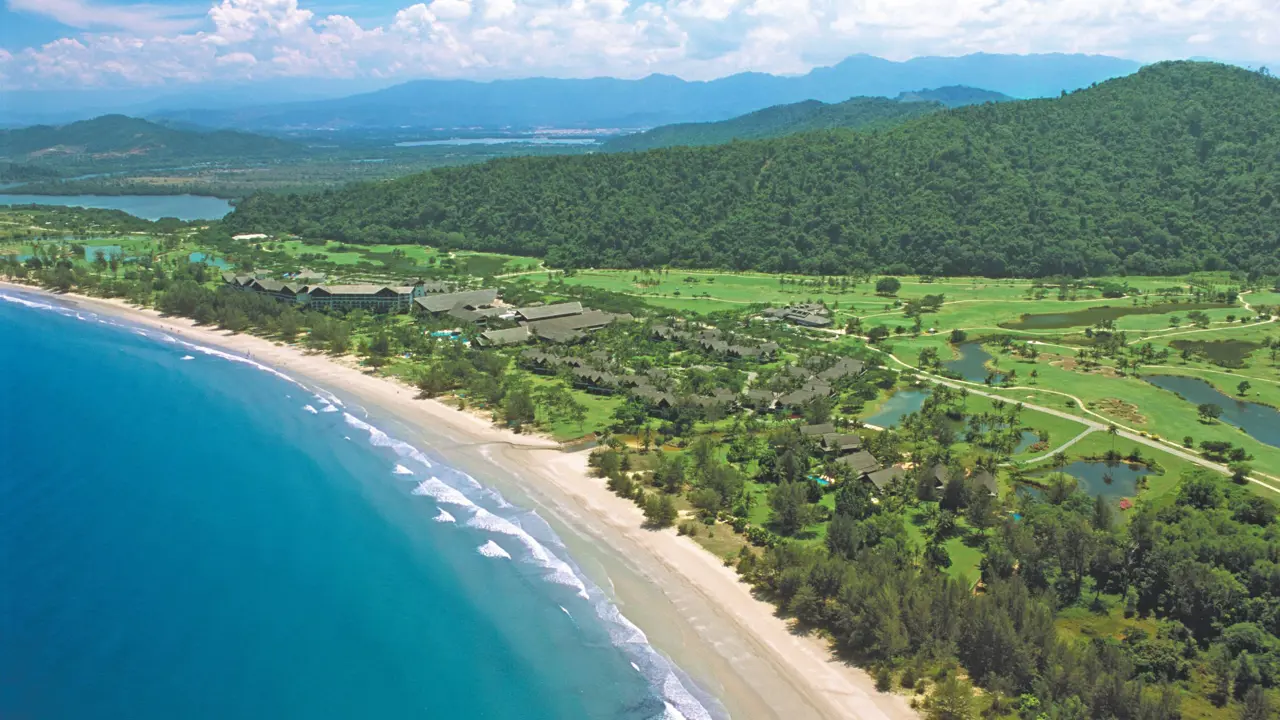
451	9
139	19
629	38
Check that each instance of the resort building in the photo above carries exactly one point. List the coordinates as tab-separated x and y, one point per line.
805	314
862	462
883	479
535	313
840	443
715	342
441	303
560	328
377	298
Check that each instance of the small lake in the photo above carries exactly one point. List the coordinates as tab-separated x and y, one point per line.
1094	315
147	207
1112	482
1227	353
898	406
1027	439
972	363
499	141
199	257
1260	421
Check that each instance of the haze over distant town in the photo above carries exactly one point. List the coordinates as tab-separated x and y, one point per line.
85	44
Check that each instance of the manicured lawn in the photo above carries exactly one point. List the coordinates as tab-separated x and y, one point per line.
600	410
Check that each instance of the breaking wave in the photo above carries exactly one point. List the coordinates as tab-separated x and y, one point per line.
493	550
666	680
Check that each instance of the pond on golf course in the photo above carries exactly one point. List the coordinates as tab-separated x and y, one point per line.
1094	315
972	363
1260	421
1112	482
1227	353
899	405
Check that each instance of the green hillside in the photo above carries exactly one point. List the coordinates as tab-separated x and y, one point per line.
130	142
863	113
1172	169
954	96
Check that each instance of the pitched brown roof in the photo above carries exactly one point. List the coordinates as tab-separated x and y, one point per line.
509	336
546	312
862	462
886	477
986	480
841	443
447	301
821	429
562	329
843	368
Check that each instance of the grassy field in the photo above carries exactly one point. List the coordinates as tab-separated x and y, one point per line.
404	259
1126	400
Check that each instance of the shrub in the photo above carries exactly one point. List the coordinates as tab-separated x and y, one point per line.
884	679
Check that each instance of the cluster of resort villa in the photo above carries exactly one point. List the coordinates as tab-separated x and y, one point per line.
556	323
846	449
804	314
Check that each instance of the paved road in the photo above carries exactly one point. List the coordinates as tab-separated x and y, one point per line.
1061	448
1267	481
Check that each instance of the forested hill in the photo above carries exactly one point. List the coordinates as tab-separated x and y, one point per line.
1173	168
954	96
862	113
122	140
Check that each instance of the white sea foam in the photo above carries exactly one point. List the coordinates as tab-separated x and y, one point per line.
679	703
33	304
402	470
327	397
498	498
378	438
188	357
436	489
493	550
559	570
310	409
671	712
214	352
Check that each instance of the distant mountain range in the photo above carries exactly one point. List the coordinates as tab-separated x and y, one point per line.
118	141
657	99
862	113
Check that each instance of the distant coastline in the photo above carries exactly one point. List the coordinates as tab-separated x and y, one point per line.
692	606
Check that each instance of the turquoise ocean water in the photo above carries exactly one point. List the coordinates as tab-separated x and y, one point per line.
184	534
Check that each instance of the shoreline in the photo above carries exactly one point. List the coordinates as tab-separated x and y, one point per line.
693	608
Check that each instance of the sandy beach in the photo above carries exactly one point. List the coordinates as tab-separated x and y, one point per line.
693	609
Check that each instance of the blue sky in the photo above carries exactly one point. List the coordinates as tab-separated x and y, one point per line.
74	44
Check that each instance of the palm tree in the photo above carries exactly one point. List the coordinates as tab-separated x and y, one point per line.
1060	460
1113	431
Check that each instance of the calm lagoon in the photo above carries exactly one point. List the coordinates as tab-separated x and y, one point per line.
147	207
